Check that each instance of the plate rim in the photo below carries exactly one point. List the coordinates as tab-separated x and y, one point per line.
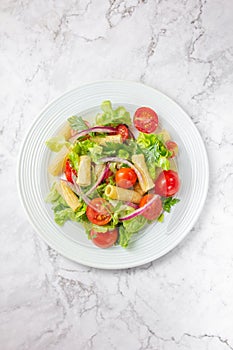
100	265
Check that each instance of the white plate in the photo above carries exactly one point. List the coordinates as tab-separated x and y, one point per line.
70	240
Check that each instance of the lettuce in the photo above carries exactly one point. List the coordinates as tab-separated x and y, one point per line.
77	123
112	117
80	148
155	152
124	237
113	149
129	228
55	144
136	224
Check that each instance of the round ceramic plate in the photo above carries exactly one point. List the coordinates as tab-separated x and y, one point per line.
71	240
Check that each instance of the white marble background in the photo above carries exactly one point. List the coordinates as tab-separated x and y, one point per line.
184	300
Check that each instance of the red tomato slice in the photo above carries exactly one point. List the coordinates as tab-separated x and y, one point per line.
98	211
123	131
154	210
104	239
69	171
146	120
125	177
167	183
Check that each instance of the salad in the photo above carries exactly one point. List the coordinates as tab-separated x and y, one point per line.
115	177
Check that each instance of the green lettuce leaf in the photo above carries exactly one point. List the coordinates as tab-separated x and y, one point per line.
74	159
77	123
124	237
155	152
129	228
55	144
80	148
96	152
112	117
113	149
136	224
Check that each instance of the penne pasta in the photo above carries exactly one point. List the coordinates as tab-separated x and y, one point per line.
146	182
56	167
138	189
114	192
84	171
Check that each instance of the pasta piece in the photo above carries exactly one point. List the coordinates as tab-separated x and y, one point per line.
68	195
109	138
84	171
56	167
138	189
121	194
146	182
65	131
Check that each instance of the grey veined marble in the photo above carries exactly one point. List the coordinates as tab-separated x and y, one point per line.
184	300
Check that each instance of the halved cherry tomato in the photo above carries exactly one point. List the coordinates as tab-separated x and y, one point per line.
98	211
145	120
154	210
125	177
104	239
167	183
69	171
123	131
172	147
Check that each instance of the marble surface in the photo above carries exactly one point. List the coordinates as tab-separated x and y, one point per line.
182	301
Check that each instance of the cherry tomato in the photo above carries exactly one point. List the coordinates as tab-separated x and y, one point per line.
125	177
123	131
69	171
167	183
173	147
146	120
104	239
154	210
98	211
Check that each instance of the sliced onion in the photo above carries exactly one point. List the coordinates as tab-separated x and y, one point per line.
81	194
70	185
141	210
104	129
131	134
99	180
124	161
133	205
79	191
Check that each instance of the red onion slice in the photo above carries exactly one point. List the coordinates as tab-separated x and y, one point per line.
70	185
99	180
141	210
99	129
133	205
131	134
84	196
